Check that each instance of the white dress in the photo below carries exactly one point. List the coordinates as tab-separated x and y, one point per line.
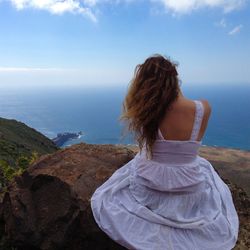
175	200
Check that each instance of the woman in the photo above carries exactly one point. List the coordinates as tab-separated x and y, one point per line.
167	197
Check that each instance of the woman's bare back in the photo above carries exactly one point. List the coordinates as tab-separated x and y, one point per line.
178	122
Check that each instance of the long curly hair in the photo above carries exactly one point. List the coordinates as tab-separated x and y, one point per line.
154	87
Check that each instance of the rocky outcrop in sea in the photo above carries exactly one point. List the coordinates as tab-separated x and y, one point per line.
48	206
62	138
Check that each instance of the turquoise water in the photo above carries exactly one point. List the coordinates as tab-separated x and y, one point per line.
95	111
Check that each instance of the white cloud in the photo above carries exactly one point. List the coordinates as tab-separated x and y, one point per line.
23	69
235	30
85	76
88	8
57	6
222	23
90	2
186	6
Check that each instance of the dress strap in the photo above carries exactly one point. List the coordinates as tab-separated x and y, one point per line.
199	112
160	135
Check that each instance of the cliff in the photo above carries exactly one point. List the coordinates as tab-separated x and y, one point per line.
48	206
17	139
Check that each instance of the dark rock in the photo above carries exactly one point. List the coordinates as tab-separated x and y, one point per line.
61	138
48	206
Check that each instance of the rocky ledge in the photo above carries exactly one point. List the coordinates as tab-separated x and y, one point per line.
48	206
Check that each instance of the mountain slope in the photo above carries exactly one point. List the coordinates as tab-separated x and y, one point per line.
17	139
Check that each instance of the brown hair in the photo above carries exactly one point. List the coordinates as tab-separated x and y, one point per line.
153	89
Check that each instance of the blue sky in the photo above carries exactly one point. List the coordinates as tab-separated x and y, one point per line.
99	42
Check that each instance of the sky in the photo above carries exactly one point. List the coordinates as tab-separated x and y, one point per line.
99	42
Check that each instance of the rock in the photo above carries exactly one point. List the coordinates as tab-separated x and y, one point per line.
48	207
242	204
62	138
231	164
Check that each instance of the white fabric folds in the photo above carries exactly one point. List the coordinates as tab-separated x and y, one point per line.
175	200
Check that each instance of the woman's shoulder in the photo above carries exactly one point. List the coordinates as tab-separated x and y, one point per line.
187	105
207	106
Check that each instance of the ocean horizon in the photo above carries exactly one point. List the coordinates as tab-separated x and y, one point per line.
95	111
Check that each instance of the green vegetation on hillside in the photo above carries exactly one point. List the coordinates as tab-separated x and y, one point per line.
20	146
7	172
17	139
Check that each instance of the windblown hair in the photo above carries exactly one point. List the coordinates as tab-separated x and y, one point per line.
153	89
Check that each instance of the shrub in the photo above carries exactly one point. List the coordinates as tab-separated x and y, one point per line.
8	172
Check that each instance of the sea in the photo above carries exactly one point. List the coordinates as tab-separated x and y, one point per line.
95	110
